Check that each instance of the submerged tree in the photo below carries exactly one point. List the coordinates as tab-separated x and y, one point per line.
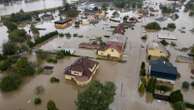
96	97
176	96
51	105
9	48
24	68
18	35
10	83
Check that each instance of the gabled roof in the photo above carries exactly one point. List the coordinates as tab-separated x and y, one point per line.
120	29
83	64
163	69
112	44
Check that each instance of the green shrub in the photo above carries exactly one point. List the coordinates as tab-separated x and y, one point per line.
105	6
41	55
30	43
176	96
192	83
142	65
37	101
5	64
151	85
39	70
45	37
144	37
24	68
171	26
153	26
180	105
18	35
61	54
34	30
52	60
166	10
185	85
141	88
10	83
9	48
189	105
54	80
68	35
173	44
142	69
39	90
10	25
19	17
164	42
192	50
142	72
51	105
75	35
61	35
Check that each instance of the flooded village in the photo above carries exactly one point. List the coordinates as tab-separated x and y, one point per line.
81	54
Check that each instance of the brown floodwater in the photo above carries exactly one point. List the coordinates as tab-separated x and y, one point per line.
124	75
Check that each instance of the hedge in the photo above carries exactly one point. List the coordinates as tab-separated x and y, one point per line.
45	37
189	105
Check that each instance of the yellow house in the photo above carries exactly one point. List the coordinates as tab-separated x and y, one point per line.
62	24
81	71
111	50
155	51
100	14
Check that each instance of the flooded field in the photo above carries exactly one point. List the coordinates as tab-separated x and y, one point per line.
124	75
29	6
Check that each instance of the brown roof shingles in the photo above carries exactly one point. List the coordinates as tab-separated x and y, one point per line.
83	64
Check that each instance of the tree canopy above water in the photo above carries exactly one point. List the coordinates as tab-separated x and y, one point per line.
96	97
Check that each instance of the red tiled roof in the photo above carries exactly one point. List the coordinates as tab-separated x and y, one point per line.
120	29
115	45
89	46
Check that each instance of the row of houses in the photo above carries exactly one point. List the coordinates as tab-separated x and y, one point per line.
83	69
85	17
